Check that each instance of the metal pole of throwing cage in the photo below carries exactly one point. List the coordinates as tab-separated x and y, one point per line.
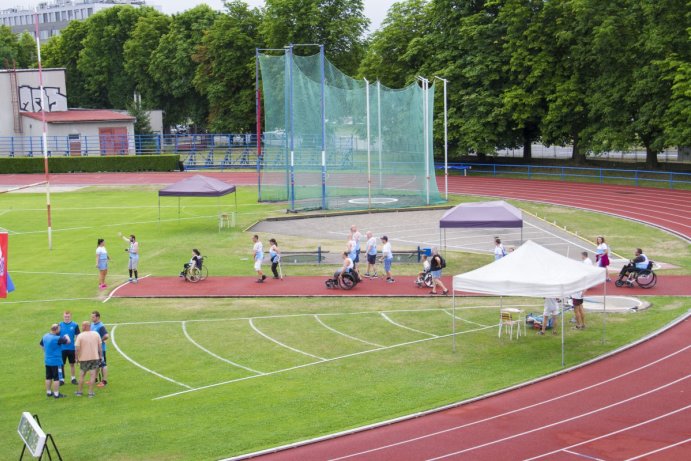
369	160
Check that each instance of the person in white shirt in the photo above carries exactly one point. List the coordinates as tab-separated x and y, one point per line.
499	251
258	254
551	310
355	236
586	259
371	250
387	257
133	250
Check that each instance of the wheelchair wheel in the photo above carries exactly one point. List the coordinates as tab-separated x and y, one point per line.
193	275
428	280
203	273
646	279
329	283
347	282
619	283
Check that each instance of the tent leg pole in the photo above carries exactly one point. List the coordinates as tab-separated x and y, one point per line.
453	318
562	331
159	208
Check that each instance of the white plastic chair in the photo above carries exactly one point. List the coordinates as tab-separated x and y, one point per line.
509	317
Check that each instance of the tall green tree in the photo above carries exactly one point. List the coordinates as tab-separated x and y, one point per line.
101	62
397	51
339	25
8	47
26	51
468	40
225	74
173	66
137	52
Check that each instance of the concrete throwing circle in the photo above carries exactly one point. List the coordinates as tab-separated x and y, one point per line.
614	304
377	200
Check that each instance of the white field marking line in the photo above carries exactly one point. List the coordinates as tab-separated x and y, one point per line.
282	344
316	316
230	362
572	418
53	273
228	319
304	365
464	320
110	295
115	344
660	449
388	319
49	300
581	455
618	431
517	410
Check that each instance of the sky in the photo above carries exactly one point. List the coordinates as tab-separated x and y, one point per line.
375	10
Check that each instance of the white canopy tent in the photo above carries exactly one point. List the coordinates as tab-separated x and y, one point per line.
531	270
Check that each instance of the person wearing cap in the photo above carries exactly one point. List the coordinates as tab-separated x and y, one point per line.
387	258
52	351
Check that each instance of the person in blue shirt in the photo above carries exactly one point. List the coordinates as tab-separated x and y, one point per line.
52	350
71	329
98	327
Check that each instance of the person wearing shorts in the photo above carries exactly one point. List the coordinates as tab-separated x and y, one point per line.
102	259
435	267
133	251
577	299
52	351
97	326
371	251
89	354
355	236
387	257
258	256
551	310
71	329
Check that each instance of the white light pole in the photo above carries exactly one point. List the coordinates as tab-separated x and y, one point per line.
446	142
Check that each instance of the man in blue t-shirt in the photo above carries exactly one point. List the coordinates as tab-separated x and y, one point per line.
52	349
98	327
71	329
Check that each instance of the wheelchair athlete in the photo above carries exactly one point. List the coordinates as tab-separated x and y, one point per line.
347	271
195	261
630	271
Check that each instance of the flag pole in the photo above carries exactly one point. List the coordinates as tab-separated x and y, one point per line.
44	138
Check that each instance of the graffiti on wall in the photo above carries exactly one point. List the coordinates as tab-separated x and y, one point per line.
30	99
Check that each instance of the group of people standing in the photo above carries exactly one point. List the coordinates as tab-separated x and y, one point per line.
67	343
103	260
258	257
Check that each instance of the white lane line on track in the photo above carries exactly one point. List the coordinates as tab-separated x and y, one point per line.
110	295
316	316
517	410
388	319
572	418
230	362
667	447
618	431
137	364
581	455
304	365
282	344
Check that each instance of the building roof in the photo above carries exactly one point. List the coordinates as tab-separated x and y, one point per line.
81	115
197	186
497	214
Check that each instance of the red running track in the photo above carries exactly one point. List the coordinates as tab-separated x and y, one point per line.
664	208
636	403
302	286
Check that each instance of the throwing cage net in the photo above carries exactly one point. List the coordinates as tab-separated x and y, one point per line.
333	142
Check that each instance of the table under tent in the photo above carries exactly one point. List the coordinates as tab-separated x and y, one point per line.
532	271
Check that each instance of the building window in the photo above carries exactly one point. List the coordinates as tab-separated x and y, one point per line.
69	14
44	34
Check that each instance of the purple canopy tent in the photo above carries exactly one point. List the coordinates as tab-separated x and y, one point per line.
196	186
482	215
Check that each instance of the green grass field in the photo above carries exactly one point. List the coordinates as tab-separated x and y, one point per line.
207	378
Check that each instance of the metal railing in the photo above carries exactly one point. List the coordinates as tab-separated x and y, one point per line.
666	179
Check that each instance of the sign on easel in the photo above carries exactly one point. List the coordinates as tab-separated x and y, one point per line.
31	433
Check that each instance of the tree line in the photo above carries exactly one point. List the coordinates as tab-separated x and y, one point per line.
598	75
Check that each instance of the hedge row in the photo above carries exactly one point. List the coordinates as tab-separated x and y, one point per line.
125	163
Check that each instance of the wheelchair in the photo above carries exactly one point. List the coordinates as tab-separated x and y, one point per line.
644	278
196	274
425	280
346	282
